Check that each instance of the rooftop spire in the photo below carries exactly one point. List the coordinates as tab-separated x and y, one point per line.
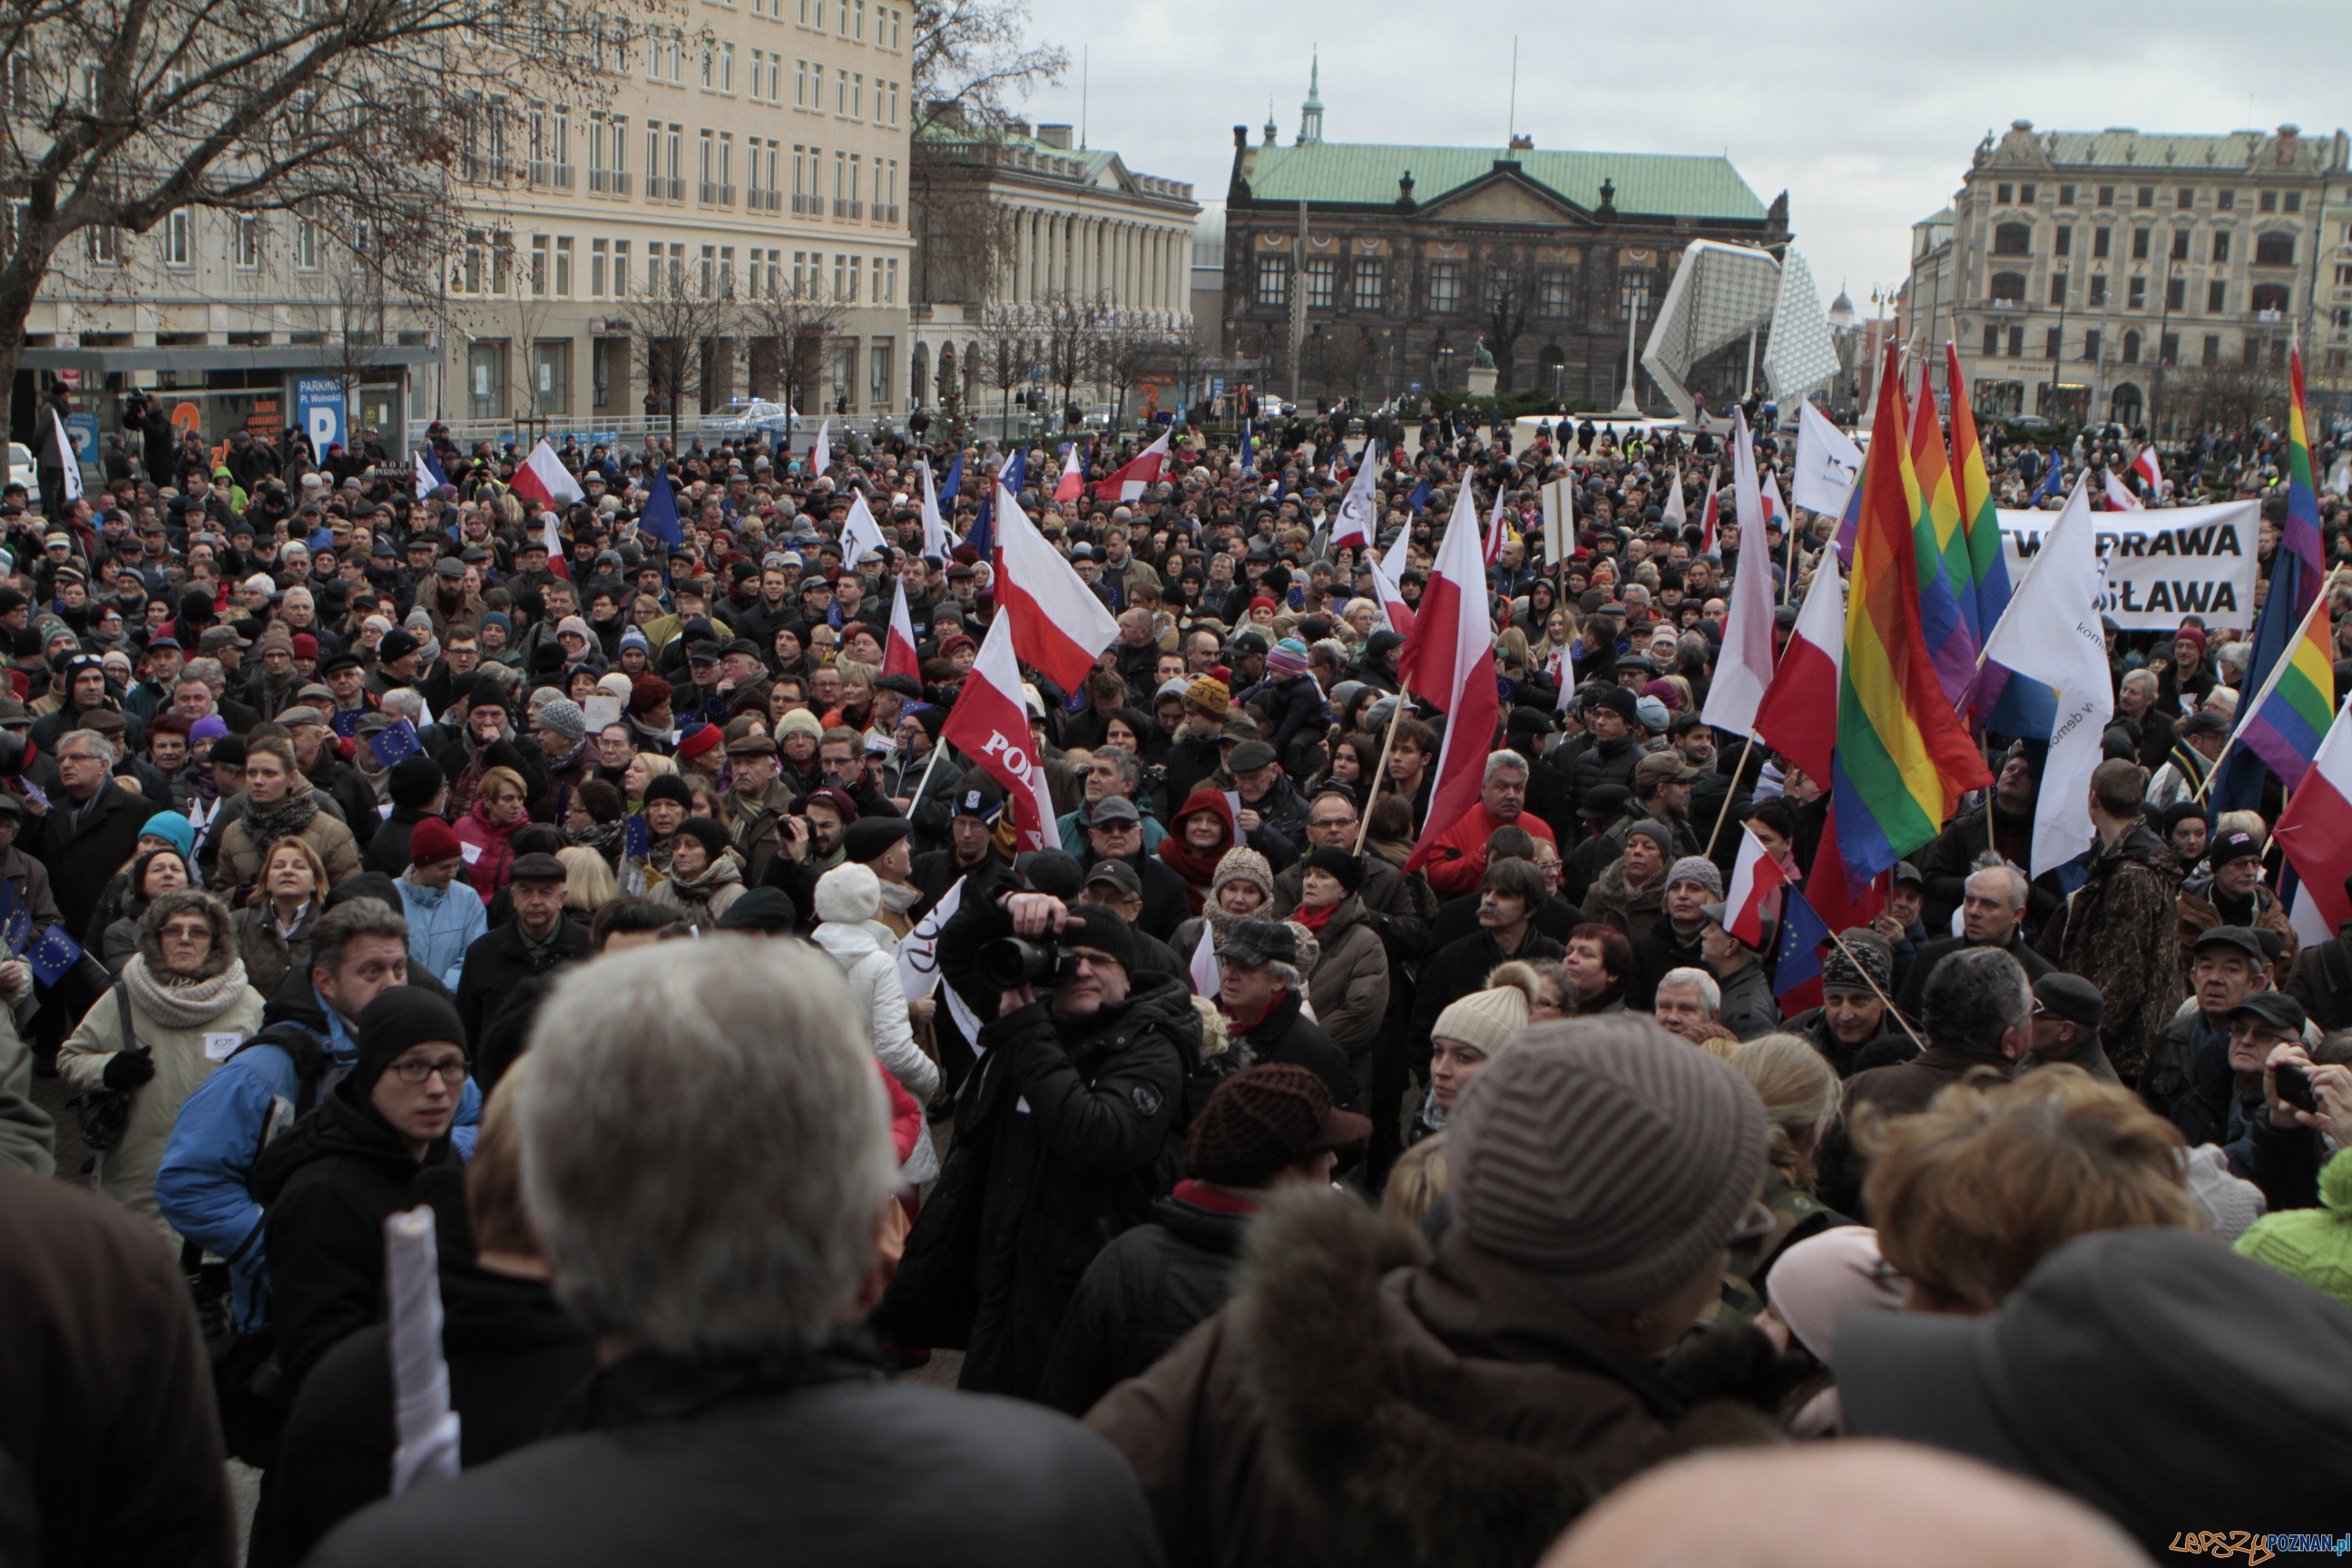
1310	113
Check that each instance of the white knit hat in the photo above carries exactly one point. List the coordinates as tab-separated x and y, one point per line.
849	892
1486	1019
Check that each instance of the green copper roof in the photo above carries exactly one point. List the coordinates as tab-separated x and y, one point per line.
1646	182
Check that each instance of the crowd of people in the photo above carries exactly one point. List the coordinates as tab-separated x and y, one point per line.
1284	1175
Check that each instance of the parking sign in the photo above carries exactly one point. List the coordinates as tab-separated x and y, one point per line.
318	404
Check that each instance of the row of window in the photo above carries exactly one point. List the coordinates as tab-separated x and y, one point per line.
615	271
176	238
2009	289
1446	283
849	19
2129	350
547	389
850	97
2225	198
765	162
2270	249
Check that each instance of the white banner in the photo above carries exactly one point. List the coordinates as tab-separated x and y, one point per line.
1827	464
919	950
2163	564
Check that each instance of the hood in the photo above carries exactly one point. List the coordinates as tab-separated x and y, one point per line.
215	913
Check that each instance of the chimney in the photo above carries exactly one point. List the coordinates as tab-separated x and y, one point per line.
1523	144
1054	136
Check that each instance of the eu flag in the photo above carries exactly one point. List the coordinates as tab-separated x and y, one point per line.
1249	448
1797	956
660	515
950	485
15	920
54	956
345	721
396	744
2052	481
635	839
1420	497
1013	476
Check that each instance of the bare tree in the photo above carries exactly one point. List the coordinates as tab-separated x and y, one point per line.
2227	395
1067	329
1008	351
357	116
1507	303
787	329
1126	350
971	56
676	321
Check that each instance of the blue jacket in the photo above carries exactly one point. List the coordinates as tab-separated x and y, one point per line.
201	1185
443	922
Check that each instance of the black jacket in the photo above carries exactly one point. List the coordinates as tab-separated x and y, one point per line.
1166	903
1144	1291
354	797
677	1461
1287	1034
1914	984
1064	1134
329	1184
499	960
387	850
1656	952
1457	970
83	857
1613	763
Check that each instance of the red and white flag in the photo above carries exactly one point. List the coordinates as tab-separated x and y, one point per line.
2119	496
1449	659
1207	978
2314	832
989	724
1675	511
1798	717
1387	572
557	561
821	452
543	478
1058	626
1131	477
1072	485
1358	509
1495	526
935	527
899	655
1756	877
2150	470
1708	543
1743	671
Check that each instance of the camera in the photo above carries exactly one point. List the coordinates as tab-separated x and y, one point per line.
2295	1087
1009	962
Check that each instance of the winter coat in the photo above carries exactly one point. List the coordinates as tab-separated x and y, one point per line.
717	1464
489	857
1350	986
1748	1009
1603	764
514	1356
1457	862
185	1056
1284	1034
1399	909
239	863
1632	913
499	960
28	1139
1360	1402
80	858
269	957
2199	914
2322	980
330	1183
1913	996
443	922
1950	859
1661	948
1457	970
349	789
700	900
1813	1024
1902	1088
872	972
1144	1291
1065	1132
2120	930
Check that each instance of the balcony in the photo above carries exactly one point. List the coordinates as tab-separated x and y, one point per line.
807	206
888	214
608	182
660	190
757	200
715	194
549	176
491	170
847	208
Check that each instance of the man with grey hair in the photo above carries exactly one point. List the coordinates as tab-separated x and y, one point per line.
706	1153
1458	860
1687	1003
84	836
1992	914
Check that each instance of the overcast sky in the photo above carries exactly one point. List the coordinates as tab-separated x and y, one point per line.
1866	114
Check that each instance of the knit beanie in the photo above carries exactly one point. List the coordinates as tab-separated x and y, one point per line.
1210	695
707	832
1099	926
174	829
848	893
670	787
1697	868
1264	1119
634	638
799	721
563	716
1486	1019
2314	1245
1341	867
403	1017
413	782
432	840
1244	866
1607	1154
1866	962
698	739
1287	657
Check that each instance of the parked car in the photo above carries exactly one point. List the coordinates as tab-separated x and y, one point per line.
21	470
748	415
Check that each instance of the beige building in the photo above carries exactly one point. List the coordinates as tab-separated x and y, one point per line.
743	152
2078	271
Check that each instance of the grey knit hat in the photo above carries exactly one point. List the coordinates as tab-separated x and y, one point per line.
1870	967
1607	1154
562	715
1697	868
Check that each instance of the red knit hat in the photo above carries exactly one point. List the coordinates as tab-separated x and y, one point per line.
700	740
433	839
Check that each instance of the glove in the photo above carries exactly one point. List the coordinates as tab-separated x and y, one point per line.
129	1070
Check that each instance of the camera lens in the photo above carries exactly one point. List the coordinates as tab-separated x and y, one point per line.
1009	962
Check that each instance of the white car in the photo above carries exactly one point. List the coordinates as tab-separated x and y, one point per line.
21	471
747	415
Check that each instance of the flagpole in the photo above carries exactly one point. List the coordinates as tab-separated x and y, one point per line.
1737	773
916	798
1364	829
1862	970
2278	668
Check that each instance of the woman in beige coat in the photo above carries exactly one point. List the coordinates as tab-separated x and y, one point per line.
279	804
1349	982
185	999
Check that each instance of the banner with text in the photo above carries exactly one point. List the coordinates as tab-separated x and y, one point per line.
2162	565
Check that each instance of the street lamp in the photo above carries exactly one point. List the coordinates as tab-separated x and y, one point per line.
2163	320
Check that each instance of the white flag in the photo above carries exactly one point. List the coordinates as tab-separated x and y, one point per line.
821	454
919	950
1743	670
1359	518
68	459
860	533
1827	464
1205	975
935	527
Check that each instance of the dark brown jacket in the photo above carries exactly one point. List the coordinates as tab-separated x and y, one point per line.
2120	930
1903	1090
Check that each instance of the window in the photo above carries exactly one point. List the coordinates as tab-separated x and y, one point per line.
709	64
306	245
2179	244
2222	246
2267	202
2147	197
2226	201
2025	194
485	378
472	270
1273	280
2009	287
840	91
599	258
1322	283
1444	287
246	244
1991	339
620	270
2053	342
2342	276
2139	245
857	96
1502	288
2098	289
2213	351
2017	343
2267	297
727	68
539	268
2058	288
2091	345
886	284
2002	192
2217	297
550	375
2062	243
877	381
2131	348
2176	293
2273	250
2135	296
2167	349
2100	239
563	268
2066	196
1555	291
2013	239
709	275
501	260
2294	201
2188	198
800	84
179	239
2106	195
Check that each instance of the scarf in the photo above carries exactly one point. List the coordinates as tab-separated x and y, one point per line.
1197	869
178	1001
606	838
897	897
1315	917
265	825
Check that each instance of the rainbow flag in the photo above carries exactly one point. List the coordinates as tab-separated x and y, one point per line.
1987	564
2289	720
2297	574
1947	600
1902	758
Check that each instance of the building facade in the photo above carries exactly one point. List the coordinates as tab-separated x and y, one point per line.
1399	260
2085	274
1017	225
749	155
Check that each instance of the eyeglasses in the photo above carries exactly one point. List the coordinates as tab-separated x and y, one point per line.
452	1071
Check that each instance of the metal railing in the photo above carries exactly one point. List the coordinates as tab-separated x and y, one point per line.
658	189
886	214
843	209
482	171
715	194
545	175
807	206
608	182
757	200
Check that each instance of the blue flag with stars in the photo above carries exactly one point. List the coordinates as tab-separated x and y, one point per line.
396	744
635	838
1013	476
1249	447
1420	497
1797	955
54	956
345	721
15	920
953	483
660	515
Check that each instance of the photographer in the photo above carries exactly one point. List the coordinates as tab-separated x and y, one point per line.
1066	1132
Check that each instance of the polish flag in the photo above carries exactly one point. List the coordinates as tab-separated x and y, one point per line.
1057	625
1774	511
2315	831
1755	877
1798	717
821	454
543	478
2150	470
2119	496
1449	659
1358	513
936	540
898	654
989	724
1393	604
1675	511
1137	472
1072	485
1495	526
1743	671
1707	543
557	561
